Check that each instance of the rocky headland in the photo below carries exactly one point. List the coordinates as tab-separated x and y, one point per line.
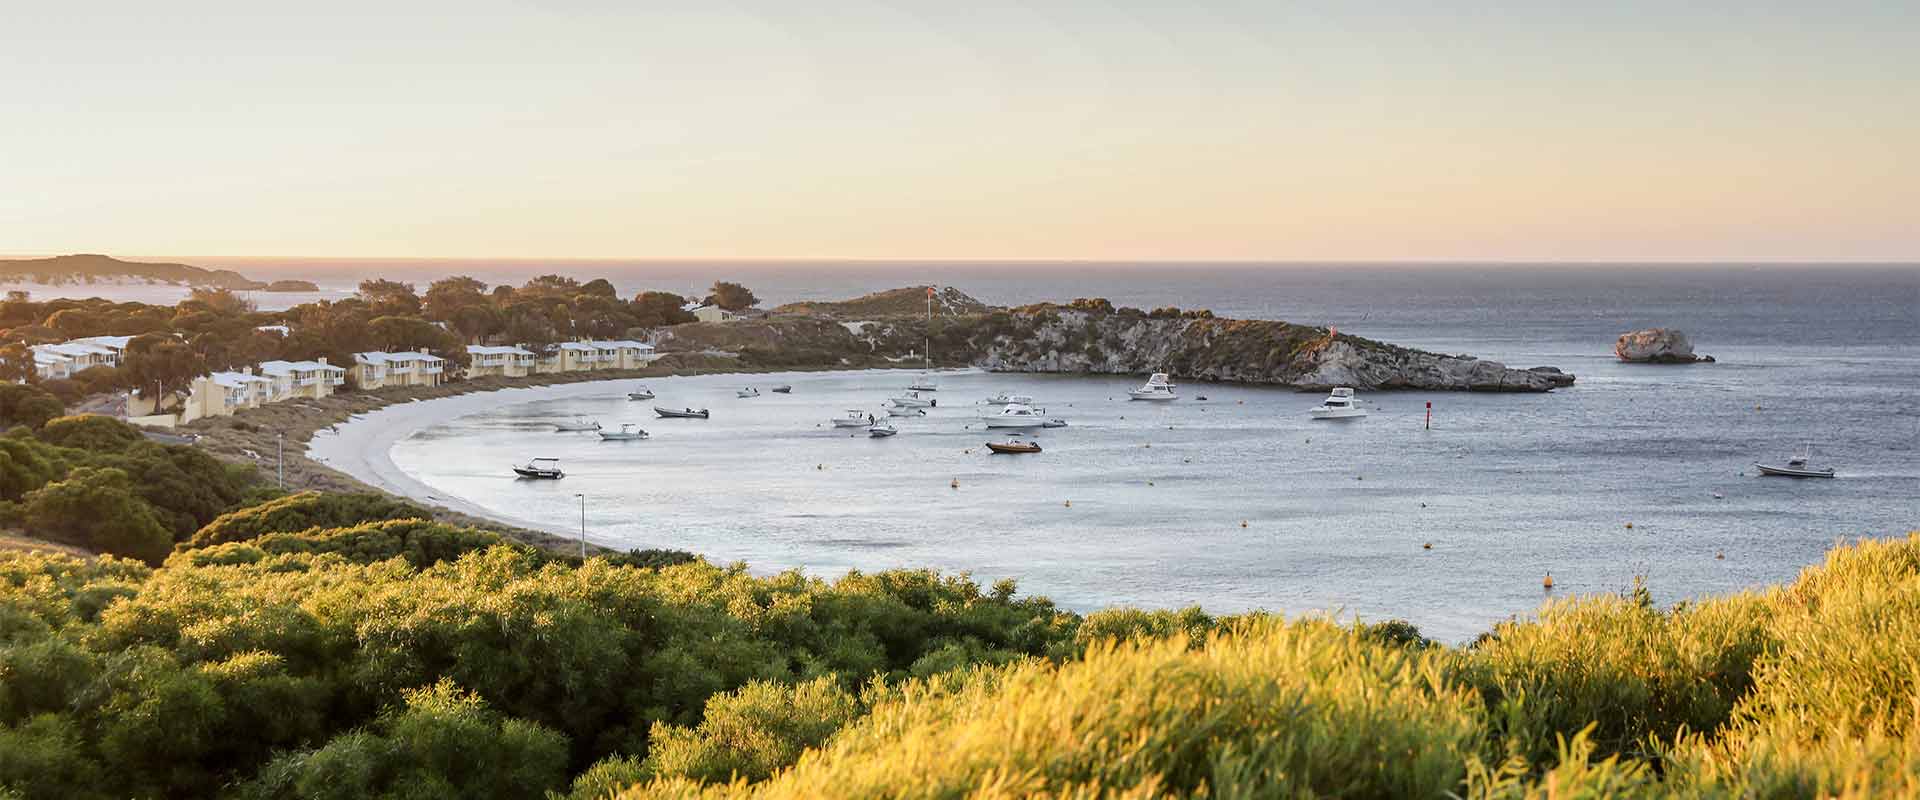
1657	346
1093	337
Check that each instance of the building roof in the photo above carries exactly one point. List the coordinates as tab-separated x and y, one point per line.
114	342
237	380
490	350
290	367
377	357
618	344
74	348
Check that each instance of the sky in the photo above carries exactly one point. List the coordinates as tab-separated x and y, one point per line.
829	129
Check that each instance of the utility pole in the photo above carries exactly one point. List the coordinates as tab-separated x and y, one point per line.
583	525
280	458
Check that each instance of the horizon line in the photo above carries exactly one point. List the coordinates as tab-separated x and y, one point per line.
1023	260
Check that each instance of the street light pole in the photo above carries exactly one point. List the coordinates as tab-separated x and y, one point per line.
583	525
280	458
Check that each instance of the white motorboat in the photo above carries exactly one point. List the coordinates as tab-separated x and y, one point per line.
924	383
1018	416
1157	389
898	411
1003	398
853	418
913	400
1054	422
1796	467
548	468
628	432
643	393
747	392
1340	404
882	429
668	413
576	425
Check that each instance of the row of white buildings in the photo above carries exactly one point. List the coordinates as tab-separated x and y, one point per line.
223	393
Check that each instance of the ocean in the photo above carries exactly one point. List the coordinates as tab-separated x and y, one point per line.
1637	470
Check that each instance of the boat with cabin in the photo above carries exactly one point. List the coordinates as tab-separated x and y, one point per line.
882	429
542	468
628	432
1018	416
642	393
1157	389
1340	404
668	413
747	392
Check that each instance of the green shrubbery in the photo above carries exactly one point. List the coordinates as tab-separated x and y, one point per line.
414	658
304	511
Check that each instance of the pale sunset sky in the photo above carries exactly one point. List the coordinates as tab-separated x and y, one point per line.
1263	130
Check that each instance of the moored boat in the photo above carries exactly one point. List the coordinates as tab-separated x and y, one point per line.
668	413
1340	404
1018	417
882	429
545	468
782	389
1796	467
576	425
898	411
1157	389
747	392
853	418
628	432
1003	398
913	400
1014	446
924	383
642	393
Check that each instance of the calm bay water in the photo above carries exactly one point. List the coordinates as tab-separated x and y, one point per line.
1505	487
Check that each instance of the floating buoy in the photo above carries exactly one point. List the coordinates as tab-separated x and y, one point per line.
1068	504
1423	505
1149	483
1243	523
1359	477
955	484
1719	556
1719	496
1186	461
1629	526
1427	546
819	466
1148	444
1239	402
1548	583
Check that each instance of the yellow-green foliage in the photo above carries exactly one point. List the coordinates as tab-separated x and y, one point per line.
405	657
1275	710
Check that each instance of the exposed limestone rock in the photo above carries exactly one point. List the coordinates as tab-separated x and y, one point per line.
1657	346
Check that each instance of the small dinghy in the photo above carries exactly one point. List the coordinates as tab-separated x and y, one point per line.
1014	446
544	468
853	418
643	393
577	425
668	413
897	411
1055	422
882	430
782	389
747	392
628	432
1796	467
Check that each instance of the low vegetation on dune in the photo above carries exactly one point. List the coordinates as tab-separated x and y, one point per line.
332	646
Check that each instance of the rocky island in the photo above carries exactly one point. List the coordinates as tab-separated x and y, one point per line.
92	268
1657	346
1091	336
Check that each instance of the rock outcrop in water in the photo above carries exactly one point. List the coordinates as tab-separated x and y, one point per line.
1657	346
1055	339
1095	338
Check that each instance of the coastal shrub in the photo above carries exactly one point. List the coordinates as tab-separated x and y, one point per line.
304	511
751	732
1283	710
444	742
422	543
651	558
27	404
95	432
96	508
1630	670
